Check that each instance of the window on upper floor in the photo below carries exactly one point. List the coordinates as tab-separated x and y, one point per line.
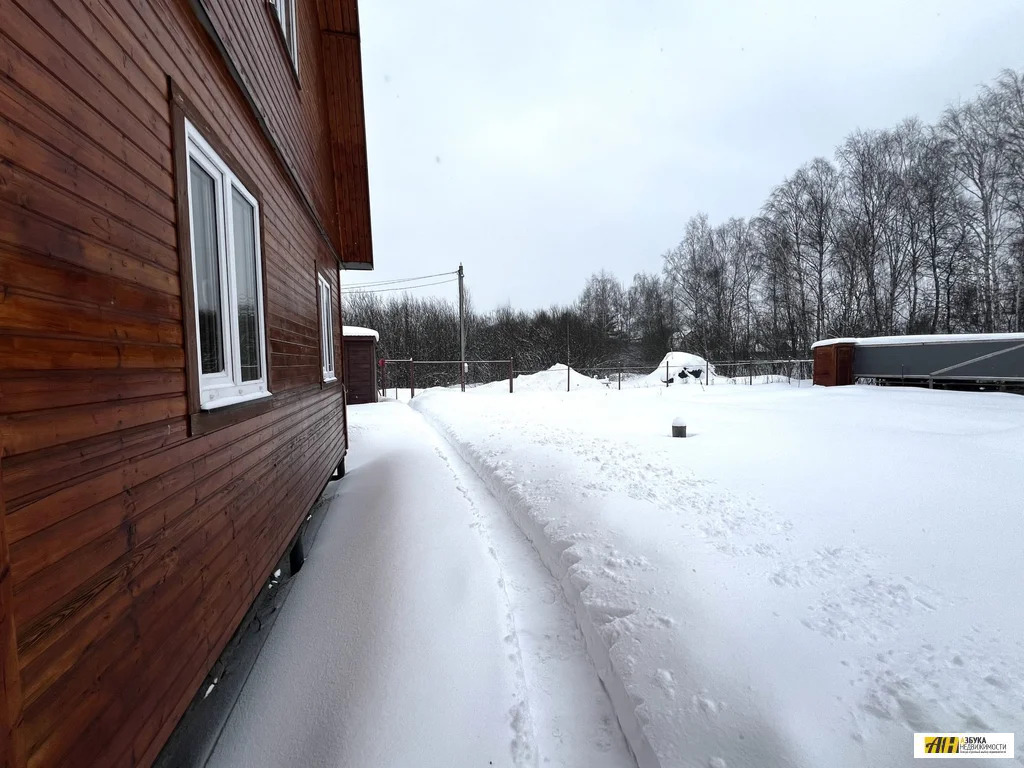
227	279
285	13
326	330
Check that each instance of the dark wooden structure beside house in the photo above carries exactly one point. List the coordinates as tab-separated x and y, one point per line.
833	363
360	365
180	182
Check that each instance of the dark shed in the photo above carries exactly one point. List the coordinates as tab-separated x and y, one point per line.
833	363
360	364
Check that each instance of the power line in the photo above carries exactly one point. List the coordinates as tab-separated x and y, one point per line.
402	287
358	286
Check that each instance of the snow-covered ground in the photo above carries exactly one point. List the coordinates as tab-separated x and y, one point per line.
806	580
423	630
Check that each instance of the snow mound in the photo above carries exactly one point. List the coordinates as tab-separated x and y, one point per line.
551	380
682	368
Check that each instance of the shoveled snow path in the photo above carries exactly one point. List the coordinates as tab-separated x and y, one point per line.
423	630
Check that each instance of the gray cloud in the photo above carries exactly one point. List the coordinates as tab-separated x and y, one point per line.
538	142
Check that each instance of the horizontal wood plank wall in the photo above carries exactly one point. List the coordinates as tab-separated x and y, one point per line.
291	104
11	754
134	548
344	82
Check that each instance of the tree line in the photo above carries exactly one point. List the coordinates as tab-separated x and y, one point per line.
914	229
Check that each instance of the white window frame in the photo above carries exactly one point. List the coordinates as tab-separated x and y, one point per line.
285	11
225	387
327	361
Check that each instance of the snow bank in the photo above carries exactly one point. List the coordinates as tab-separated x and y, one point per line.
551	380
355	330
813	577
422	631
760	378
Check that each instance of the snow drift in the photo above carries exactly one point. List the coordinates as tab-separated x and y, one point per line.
813	577
551	380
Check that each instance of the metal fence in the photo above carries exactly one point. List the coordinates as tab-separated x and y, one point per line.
410	374
766	371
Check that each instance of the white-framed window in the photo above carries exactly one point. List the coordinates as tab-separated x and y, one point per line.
326	330
227	279
284	10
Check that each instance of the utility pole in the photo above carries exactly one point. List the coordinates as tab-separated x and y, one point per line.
462	331
568	371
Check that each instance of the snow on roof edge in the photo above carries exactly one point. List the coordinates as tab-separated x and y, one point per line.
938	338
355	330
830	342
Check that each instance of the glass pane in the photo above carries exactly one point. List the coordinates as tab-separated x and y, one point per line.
286	22
246	286
328	329
207	273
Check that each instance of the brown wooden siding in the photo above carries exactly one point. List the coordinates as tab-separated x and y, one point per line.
11	750
344	82
131	545
292	106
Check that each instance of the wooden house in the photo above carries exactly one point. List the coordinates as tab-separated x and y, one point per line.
180	183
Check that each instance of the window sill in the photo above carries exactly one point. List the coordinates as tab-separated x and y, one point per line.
239	410
224	402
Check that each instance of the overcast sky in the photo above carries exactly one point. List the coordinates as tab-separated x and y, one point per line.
539	142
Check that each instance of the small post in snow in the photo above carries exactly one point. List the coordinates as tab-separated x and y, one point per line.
707	371
568	387
510	375
678	427
620	379
666	372
412	380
